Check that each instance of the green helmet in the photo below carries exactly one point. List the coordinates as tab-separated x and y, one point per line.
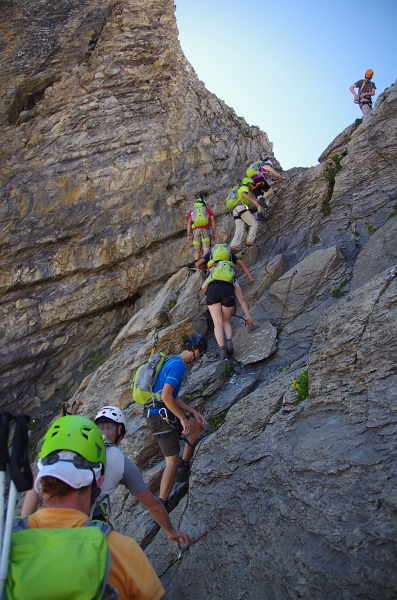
247	180
77	434
200	201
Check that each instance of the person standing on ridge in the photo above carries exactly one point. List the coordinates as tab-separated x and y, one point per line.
112	424
166	420
366	89
72	463
242	216
220	293
200	223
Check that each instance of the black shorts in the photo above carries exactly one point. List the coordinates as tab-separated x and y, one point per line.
220	292
261	187
166	437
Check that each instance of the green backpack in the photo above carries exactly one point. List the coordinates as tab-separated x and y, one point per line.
221	252
145	377
222	271
232	199
254	168
200	216
64	563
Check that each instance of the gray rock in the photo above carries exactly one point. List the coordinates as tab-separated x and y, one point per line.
379	254
296	288
253	346
299	495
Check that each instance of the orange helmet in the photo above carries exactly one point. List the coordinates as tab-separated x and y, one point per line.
369	73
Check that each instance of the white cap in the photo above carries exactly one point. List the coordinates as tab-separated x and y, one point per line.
66	471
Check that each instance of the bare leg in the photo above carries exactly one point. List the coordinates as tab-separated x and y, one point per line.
196	252
195	430
221	318
226	314
168	478
217	318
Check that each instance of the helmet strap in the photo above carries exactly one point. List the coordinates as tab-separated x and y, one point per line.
95	490
119	436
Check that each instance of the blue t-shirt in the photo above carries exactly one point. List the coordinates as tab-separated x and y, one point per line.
172	372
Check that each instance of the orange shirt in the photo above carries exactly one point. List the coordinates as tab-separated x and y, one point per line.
131	572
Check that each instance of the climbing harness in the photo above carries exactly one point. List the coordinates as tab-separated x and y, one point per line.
366	99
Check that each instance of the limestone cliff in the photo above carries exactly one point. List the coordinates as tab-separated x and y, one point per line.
107	136
288	498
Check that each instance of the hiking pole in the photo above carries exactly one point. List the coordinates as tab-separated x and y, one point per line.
5	419
21	481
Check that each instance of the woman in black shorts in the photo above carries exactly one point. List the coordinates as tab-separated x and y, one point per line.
220	299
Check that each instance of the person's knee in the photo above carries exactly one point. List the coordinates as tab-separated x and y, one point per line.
172	461
195	426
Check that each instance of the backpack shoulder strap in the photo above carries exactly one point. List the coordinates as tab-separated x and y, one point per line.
104	527
19	524
108	591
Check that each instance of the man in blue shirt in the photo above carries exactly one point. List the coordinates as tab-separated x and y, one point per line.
166	420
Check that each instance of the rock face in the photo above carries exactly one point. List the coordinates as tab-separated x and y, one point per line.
96	185
298	501
288	497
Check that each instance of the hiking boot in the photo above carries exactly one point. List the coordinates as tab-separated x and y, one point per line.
260	216
229	347
222	352
182	474
264	202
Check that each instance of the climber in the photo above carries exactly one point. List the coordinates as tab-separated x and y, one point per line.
72	463
166	420
220	293
200	223
111	422
242	215
262	189
366	89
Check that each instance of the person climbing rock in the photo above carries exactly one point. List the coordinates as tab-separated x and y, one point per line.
167	418
366	90
220	293
242	216
120	469
262	189
111	423
71	467
200	224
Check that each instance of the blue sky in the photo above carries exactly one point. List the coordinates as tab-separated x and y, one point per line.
287	66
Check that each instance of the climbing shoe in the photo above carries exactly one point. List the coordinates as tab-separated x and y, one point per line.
264	201
249	244
182	474
229	347
222	352
260	216
234	248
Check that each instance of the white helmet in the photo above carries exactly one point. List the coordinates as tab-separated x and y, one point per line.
113	413
268	161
